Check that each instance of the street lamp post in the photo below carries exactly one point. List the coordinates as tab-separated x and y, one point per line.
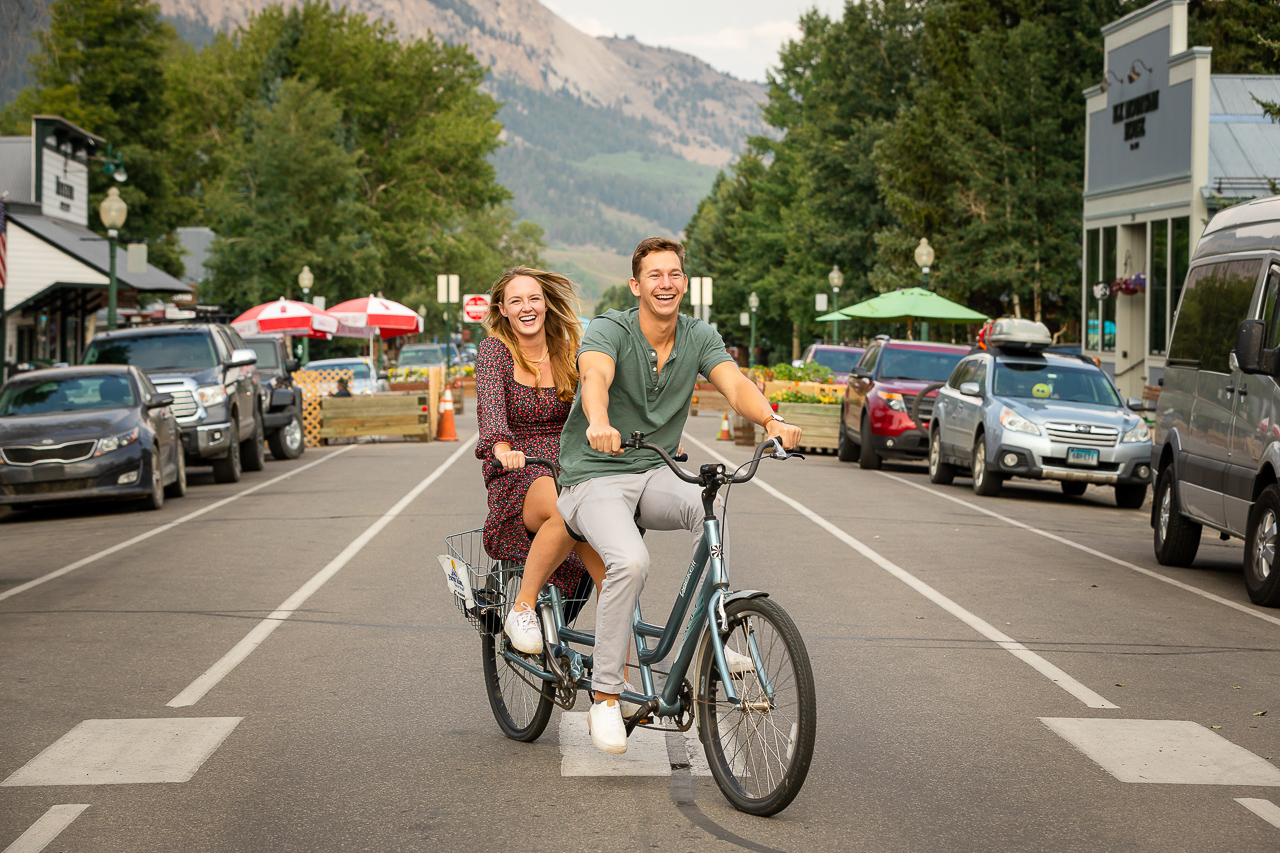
753	302
836	278
113	212
924	260
305	280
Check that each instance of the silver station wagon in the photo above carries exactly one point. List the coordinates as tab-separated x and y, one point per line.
1014	410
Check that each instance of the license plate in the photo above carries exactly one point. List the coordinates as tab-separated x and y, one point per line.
1084	458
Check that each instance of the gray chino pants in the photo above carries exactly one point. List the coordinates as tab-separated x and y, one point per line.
605	511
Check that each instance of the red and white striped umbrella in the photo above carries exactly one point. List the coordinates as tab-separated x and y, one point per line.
286	317
373	315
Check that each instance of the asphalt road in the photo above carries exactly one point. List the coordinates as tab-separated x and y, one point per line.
1012	673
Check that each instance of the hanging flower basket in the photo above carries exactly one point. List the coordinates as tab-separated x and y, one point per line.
1129	285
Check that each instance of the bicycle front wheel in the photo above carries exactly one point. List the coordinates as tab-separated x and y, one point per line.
759	751
521	702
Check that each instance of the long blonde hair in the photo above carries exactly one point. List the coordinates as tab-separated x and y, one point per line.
563	331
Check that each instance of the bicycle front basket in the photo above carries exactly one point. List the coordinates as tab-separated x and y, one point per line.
482	595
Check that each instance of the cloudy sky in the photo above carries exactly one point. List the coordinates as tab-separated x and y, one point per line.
738	36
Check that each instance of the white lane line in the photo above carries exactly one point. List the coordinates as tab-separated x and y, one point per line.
202	685
47	828
1048	670
93	558
1266	617
1264	809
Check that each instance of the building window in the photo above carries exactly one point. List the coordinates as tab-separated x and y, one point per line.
1106	307
1158	287
1091	318
1180	242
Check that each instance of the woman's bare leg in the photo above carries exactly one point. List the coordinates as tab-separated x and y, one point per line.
551	544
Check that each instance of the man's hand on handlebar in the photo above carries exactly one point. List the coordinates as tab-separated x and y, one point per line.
789	433
604	439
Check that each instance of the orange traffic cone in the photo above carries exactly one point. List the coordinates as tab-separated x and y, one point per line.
725	433
446	431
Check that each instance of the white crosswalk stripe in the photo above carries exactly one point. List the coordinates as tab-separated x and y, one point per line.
646	753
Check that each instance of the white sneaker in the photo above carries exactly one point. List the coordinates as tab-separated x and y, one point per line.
521	626
604	721
738	664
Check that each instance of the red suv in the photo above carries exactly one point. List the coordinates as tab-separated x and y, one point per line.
875	420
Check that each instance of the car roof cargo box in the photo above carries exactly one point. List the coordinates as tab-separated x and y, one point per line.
1013	334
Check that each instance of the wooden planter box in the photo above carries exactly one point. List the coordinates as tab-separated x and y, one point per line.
707	399
380	414
820	422
401	387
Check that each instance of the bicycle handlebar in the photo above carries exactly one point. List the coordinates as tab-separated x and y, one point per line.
709	473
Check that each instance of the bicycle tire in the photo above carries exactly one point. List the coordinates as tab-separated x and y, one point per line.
521	703
736	763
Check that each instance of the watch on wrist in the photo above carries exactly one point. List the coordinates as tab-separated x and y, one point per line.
774	416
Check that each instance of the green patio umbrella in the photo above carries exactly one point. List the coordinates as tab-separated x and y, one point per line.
911	303
833	316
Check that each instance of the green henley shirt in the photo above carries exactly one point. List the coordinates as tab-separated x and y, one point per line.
640	398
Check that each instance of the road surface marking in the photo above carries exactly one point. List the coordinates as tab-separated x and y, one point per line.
126	752
647	753
1167	752
202	685
1048	670
79	564
48	827
1266	617
1264	809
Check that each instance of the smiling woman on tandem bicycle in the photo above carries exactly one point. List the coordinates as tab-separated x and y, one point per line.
751	694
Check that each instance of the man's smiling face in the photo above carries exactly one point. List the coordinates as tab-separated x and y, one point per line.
661	284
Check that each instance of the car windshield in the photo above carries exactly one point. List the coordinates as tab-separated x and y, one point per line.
267	355
926	365
359	370
187	351
67	395
839	360
1040	381
421	355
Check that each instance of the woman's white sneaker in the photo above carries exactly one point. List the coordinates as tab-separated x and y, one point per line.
523	630
608	732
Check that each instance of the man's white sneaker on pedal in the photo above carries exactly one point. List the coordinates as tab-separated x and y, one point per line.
523	630
608	732
738	664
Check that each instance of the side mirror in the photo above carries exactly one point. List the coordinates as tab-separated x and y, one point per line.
291	364
859	372
161	400
1136	404
970	389
1248	351
243	358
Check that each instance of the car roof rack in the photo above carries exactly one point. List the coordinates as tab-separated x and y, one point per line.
1015	334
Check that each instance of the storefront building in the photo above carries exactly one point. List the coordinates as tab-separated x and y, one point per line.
1167	144
58	269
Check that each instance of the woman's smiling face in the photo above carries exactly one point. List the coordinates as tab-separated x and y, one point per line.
524	306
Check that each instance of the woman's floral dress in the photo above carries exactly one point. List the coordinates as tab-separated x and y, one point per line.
529	419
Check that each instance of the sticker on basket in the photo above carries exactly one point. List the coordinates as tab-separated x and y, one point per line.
455	576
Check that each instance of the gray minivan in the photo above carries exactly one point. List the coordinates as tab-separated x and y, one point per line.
1216	450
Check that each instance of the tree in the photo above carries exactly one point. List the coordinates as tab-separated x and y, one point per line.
101	66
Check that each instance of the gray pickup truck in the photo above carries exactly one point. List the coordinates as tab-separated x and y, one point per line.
282	399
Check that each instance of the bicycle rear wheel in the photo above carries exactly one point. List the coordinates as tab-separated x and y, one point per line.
760	751
521	702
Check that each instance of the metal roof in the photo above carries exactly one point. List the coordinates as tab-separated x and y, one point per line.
1244	145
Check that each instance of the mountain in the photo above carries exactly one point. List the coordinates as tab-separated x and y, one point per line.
607	140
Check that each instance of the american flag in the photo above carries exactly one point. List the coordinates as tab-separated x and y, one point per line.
4	248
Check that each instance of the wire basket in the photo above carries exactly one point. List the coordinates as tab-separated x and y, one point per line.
493	583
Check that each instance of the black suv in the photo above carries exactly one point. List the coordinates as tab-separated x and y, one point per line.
213	378
282	400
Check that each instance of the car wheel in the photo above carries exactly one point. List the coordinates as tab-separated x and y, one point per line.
1261	574
868	459
253	453
1073	488
1177	538
846	450
227	469
155	500
288	441
985	483
1131	495
941	473
178	487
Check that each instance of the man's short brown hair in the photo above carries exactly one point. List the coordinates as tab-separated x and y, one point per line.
648	246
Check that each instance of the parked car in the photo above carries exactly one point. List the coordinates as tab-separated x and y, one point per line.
365	378
425	355
875	418
213	378
1015	410
281	399
839	360
88	433
1217	438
